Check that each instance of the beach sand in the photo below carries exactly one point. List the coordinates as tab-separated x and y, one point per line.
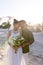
35	54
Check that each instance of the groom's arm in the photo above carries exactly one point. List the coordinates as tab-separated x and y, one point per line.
28	36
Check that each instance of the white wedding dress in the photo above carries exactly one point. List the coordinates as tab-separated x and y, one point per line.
14	58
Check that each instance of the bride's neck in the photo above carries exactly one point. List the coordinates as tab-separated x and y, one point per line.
15	29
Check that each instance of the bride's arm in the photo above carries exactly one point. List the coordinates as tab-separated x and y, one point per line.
9	34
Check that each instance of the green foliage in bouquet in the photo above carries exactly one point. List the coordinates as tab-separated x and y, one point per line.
18	40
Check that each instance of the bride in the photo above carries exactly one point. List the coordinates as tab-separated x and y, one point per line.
14	58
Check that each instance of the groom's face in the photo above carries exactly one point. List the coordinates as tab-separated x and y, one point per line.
22	24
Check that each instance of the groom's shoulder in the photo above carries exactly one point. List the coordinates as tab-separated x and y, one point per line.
26	30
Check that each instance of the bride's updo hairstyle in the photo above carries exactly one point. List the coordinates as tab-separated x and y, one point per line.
15	21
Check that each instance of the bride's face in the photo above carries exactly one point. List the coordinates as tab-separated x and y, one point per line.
16	26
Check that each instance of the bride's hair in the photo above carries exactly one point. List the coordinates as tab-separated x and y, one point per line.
15	21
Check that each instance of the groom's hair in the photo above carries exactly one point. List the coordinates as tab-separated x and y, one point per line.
15	21
23	21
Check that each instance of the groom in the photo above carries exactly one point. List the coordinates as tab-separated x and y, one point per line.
28	36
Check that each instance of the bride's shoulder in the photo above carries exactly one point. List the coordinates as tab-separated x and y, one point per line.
10	30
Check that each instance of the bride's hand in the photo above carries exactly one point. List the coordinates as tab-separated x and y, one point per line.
15	48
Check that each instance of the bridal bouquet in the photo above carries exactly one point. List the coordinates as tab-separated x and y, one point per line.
17	41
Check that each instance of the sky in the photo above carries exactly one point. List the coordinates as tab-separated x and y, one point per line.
29	10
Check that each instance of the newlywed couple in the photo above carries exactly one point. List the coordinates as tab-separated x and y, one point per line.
21	57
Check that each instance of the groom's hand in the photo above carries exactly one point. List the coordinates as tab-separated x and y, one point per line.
25	44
